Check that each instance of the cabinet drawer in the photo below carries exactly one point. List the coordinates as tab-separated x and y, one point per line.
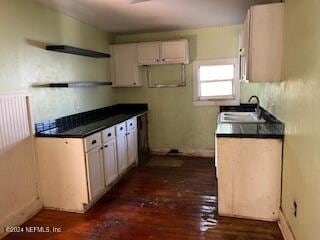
121	129
131	123
92	141
108	134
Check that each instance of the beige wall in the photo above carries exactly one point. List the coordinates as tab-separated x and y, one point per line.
297	103
174	121
26	27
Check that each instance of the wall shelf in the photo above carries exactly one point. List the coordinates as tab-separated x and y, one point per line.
77	51
73	84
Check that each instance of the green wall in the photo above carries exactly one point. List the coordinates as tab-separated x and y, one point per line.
174	121
26	26
297	103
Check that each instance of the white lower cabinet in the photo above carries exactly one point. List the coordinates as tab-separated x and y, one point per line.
75	172
110	161
249	177
132	142
122	148
95	172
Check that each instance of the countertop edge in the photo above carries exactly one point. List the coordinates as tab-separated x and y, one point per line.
43	135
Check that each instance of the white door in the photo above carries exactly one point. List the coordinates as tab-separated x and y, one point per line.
95	172
174	52
132	140
124	66
148	53
110	161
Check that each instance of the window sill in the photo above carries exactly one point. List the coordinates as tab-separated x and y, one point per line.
220	102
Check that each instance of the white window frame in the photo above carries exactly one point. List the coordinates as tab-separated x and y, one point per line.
215	101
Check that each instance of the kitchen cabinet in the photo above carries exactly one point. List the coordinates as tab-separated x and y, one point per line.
95	172
148	53
132	141
76	172
249	177
122	154
124	67
110	161
175	52
261	44
110	156
166	52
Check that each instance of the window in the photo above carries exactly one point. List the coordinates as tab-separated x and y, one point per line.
216	82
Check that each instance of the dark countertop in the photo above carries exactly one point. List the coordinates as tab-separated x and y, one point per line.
272	128
84	124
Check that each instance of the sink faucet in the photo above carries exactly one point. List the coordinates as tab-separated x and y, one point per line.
258	110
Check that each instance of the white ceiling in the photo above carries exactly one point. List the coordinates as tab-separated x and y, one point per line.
119	16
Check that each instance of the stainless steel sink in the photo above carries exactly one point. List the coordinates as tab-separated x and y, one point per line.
241	117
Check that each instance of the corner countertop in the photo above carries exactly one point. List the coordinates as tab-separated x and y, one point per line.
272	128
84	124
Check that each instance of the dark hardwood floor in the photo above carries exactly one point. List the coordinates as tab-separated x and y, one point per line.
155	202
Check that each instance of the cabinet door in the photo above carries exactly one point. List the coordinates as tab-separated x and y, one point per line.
148	53
175	52
125	72
132	142
95	172
266	42
122	153
257	178
110	161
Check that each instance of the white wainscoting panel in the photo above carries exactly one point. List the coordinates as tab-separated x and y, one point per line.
20	197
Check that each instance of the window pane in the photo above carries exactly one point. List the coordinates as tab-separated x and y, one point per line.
216	72
213	89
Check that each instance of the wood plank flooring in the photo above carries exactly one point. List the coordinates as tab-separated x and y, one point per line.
155	202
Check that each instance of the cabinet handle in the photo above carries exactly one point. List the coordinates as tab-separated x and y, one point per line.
94	142
109	134
105	146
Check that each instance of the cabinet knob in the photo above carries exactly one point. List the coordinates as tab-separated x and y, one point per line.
158	60
105	146
163	59
94	142
134	83
121	128
130	124
109	134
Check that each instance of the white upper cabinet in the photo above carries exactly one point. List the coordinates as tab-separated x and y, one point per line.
168	52
124	67
148	53
262	43
175	52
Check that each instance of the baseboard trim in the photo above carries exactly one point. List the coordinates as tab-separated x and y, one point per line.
183	152
284	227
20	216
